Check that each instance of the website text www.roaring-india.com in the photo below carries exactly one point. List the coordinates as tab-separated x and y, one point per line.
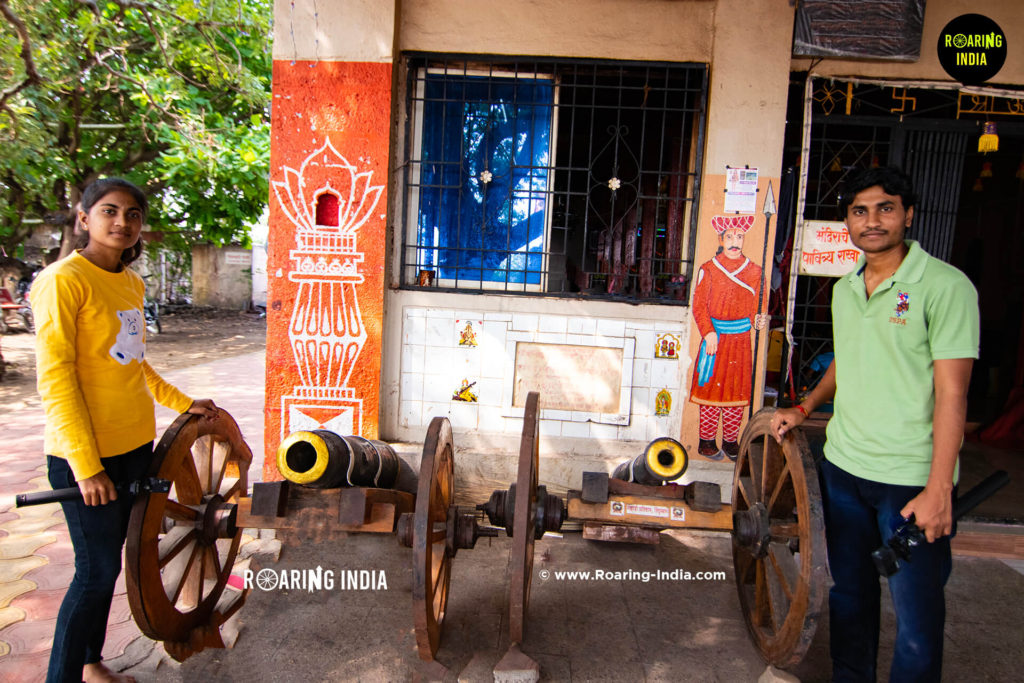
632	575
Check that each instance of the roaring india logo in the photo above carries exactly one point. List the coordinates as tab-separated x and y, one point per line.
972	48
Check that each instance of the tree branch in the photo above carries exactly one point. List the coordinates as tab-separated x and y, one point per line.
31	74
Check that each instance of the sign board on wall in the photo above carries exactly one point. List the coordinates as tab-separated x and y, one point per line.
238	258
826	249
569	377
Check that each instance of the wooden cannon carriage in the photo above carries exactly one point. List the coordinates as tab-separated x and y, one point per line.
182	545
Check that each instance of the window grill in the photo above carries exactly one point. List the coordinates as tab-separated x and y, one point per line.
554	177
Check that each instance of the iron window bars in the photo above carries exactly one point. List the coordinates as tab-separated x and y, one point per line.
554	177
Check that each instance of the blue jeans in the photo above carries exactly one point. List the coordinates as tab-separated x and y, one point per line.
860	515
97	534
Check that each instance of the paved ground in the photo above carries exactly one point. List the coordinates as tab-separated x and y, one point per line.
620	630
36	558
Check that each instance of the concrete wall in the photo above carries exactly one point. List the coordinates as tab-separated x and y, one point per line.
747	46
667	30
221	276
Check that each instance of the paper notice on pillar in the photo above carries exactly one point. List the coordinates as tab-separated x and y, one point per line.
826	249
740	190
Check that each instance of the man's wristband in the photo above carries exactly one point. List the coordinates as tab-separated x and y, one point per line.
801	409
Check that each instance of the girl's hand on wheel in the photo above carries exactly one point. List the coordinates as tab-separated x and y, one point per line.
203	407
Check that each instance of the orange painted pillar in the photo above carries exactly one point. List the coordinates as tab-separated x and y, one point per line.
330	127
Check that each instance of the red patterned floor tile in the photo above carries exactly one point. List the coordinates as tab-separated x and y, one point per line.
51	576
15	476
39	604
120	610
58	552
119	636
23	668
27	637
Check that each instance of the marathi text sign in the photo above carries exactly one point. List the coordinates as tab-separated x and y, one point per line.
827	249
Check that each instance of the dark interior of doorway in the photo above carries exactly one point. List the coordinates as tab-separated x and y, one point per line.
989	248
987	245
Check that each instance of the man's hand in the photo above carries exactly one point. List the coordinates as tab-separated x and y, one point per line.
785	419
711	343
203	407
933	512
97	489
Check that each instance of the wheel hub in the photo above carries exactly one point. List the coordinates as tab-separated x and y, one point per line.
752	530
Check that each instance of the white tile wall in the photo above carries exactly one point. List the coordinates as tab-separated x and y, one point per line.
524	321
552	323
410	413
412	358
664	373
464	415
582	325
641	373
550	427
491	419
439	332
611	328
576	430
433	366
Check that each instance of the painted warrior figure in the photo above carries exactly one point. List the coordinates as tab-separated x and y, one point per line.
725	311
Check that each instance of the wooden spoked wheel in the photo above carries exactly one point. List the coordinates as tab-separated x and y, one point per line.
181	545
778	541
520	563
432	556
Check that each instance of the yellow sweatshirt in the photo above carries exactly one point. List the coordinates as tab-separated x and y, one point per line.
90	342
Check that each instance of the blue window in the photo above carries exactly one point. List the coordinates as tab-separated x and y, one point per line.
485	147
560	177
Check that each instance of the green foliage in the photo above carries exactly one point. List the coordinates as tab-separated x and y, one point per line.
171	94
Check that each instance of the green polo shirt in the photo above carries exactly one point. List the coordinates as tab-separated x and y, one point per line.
885	347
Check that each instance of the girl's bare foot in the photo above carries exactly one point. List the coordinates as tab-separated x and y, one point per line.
99	673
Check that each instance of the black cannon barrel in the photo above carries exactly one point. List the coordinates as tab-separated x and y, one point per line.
663	460
323	459
151	485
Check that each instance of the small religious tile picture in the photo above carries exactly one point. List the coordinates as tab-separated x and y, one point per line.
663	403
667	346
467	330
465	392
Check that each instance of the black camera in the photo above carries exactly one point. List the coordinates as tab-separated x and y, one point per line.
908	535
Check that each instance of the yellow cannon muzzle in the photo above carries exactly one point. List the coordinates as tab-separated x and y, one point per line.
323	459
663	460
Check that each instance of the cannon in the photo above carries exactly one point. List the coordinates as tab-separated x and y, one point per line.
322	459
182	544
775	520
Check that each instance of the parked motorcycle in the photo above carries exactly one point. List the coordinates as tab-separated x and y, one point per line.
15	311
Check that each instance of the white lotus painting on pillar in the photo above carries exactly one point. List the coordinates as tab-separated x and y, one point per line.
327	199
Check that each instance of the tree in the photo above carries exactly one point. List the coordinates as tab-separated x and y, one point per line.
171	94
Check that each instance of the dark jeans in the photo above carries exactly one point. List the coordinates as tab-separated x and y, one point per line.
860	515
97	535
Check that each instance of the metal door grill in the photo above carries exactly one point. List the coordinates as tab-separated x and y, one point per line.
553	177
935	160
882	125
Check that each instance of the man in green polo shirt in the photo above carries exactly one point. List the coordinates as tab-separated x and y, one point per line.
905	331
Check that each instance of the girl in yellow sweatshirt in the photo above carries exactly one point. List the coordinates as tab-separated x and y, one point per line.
97	390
